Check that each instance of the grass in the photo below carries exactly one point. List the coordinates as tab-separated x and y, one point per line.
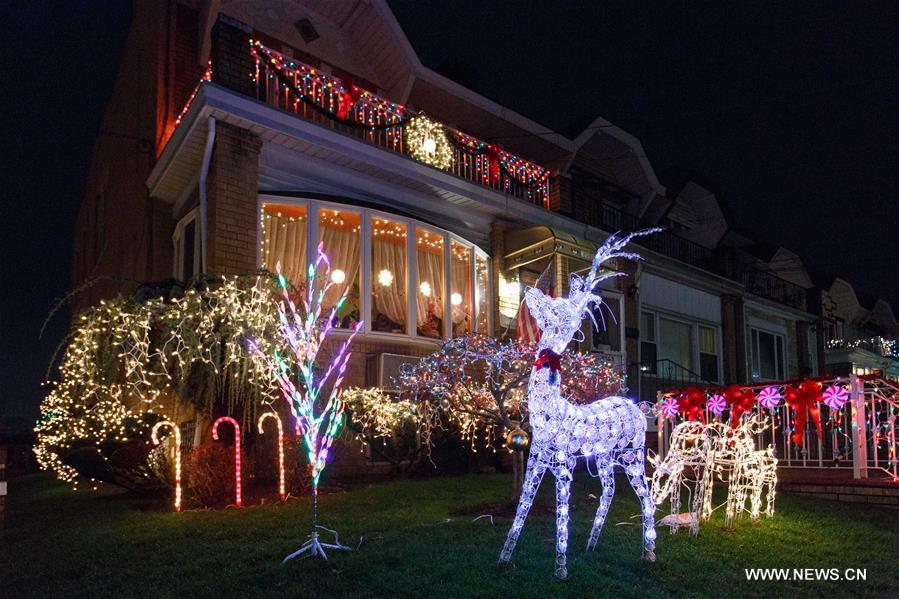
416	543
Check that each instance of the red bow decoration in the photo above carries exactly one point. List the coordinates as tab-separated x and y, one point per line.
548	357
348	100
804	400
691	403
739	401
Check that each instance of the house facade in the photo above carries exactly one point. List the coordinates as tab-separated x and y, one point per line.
257	130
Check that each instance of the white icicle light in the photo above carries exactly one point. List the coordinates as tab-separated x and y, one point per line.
707	450
610	431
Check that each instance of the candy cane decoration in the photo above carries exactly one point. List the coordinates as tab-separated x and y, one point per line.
215	436
177	434
274	415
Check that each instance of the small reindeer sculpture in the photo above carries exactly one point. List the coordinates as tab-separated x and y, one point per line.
610	431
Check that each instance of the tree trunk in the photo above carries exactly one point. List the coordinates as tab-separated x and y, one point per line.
517	473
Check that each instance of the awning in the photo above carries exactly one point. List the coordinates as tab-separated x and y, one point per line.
524	246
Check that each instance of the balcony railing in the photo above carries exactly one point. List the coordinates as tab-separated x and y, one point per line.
771	286
610	218
883	347
291	85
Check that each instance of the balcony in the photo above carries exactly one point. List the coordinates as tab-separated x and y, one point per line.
887	348
610	218
246	65
770	286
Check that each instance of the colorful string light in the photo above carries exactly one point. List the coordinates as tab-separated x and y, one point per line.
238	499
176	433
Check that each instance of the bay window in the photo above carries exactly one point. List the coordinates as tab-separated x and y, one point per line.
388	276
401	276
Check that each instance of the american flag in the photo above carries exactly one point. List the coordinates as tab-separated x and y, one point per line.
525	325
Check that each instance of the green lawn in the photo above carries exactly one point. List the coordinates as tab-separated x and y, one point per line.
419	541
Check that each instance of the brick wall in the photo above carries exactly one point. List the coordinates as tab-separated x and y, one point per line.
874	496
232	195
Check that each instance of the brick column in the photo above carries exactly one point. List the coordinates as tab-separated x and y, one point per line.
231	187
561	194
733	335
230	55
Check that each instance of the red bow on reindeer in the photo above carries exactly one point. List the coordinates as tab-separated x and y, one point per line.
692	402
804	400
548	357
740	402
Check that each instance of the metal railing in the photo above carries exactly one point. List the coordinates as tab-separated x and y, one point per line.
769	285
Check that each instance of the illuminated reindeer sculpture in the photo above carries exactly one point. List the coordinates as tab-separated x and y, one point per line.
610	431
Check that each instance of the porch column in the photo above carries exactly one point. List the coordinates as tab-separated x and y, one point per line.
859	433
233	197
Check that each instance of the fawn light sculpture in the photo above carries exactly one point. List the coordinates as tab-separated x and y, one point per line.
610	431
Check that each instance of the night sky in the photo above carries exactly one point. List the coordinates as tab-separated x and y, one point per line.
792	111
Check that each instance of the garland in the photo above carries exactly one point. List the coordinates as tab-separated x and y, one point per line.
348	96
528	173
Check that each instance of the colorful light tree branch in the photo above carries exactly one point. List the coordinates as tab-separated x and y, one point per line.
176	433
282	487
315	398
238	498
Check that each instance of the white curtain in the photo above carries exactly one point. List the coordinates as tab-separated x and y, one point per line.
342	249
285	241
461	284
390	300
429	309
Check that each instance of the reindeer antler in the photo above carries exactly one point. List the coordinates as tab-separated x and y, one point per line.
610	250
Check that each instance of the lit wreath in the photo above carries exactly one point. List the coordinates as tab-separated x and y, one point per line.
428	143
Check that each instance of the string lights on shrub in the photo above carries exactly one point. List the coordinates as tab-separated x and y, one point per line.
130	361
608	432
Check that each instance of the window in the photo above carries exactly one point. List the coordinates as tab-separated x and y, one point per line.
284	241
388	276
187	247
675	346
429	285
401	277
708	353
648	348
482	296
460	288
767	355
675	342
340	234
607	337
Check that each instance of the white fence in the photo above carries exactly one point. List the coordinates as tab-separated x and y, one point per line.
861	435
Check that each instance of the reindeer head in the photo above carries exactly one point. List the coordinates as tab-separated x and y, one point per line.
558	318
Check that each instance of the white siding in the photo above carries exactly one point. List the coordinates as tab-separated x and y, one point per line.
658	292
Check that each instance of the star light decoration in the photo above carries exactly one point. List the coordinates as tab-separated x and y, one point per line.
698	453
315	399
609	432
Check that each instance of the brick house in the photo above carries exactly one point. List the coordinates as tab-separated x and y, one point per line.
294	139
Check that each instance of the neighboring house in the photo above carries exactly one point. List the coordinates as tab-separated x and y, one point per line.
435	235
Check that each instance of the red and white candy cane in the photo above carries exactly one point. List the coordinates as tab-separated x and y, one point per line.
282	488
177	434
215	435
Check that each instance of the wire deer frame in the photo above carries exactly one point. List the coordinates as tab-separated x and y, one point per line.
608	432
